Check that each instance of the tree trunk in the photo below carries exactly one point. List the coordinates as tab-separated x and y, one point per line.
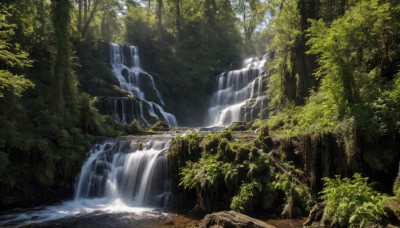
159	19
85	10
178	20
148	10
61	19
79	15
42	19
87	23
104	34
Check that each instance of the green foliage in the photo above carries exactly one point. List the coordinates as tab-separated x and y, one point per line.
189	143
251	13
355	44
240	174
247	192
263	139
212	140
352	202
41	152
296	193
285	30
160	126
203	173
344	48
12	57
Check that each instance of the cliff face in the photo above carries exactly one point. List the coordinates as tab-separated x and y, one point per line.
266	161
325	156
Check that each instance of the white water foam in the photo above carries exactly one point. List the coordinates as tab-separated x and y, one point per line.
239	96
128	176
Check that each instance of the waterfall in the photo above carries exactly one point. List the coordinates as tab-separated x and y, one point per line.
133	172
127	177
125	64
240	94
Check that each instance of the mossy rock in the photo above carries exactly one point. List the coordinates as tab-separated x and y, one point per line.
263	139
160	126
391	206
239	126
133	128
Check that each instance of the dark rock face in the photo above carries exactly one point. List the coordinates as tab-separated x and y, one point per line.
231	219
123	109
325	156
392	207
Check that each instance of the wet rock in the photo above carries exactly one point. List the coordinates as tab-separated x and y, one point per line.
231	219
239	126
392	207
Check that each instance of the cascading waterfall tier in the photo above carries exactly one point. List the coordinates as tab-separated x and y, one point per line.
127	177
125	64
240	94
131	171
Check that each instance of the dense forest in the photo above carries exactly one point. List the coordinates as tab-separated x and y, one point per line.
333	82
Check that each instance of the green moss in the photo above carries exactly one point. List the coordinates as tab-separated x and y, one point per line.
263	139
160	126
239	126
134	127
212	141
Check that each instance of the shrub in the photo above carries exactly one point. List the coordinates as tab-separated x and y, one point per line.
160	126
352	201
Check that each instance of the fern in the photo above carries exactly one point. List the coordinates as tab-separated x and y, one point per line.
352	201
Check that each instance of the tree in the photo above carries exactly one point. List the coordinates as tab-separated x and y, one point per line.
252	14
110	20
64	84
12	58
285	27
159	19
348	46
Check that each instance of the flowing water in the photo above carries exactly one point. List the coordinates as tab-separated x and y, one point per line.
125	177
125	182
125	65
240	94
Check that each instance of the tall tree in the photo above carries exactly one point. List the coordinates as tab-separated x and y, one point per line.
178	18
92	11
62	68
159	19
87	10
11	58
110	20
252	14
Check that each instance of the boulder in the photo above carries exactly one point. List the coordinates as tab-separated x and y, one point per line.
392	207
231	219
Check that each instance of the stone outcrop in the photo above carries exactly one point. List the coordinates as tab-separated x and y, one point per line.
392	207
231	219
